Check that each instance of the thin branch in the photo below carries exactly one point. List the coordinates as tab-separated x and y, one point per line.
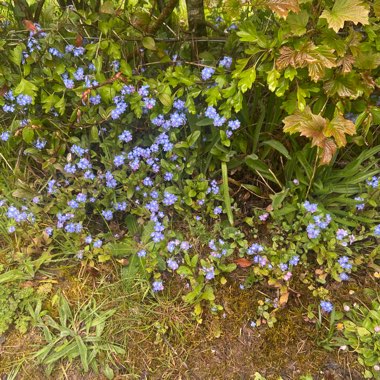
38	11
166	12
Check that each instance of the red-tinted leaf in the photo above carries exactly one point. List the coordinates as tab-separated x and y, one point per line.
243	263
30	26
78	40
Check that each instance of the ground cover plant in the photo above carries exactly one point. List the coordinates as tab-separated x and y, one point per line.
186	179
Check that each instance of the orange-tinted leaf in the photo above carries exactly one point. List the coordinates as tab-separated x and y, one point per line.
282	7
30	25
307	124
328	149
295	58
283	298
78	40
243	263
3	90
338	128
346	62
123	262
324	59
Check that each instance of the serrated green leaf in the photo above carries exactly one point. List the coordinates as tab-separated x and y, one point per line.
346	10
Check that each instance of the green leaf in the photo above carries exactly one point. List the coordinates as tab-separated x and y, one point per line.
165	99
131	223
346	10
298	22
16	54
226	193
124	248
28	134
247	32
193	137
247	77
27	88
204	122
82	352
279	147
208	294
12	275
148	229
148	43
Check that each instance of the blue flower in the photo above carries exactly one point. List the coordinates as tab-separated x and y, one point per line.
373	182
344	263
4	136
217	210
49	231
376	231
23	100
157	286
73	204
226	62
310	207
172	264
312	231
179	105
294	260
107	214
79	151
360	206
78	51
147	182
141	253
69	83
95	100
209	272
98	243
115	65
81	198
8	108
149	103
121	206
110	181
128	89
126	136
79	74
326	306
341	233
70	168
168	176
40	144
119	160
84	163
255	248
169	199
207	73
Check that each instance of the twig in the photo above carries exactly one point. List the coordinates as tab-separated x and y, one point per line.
153	28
